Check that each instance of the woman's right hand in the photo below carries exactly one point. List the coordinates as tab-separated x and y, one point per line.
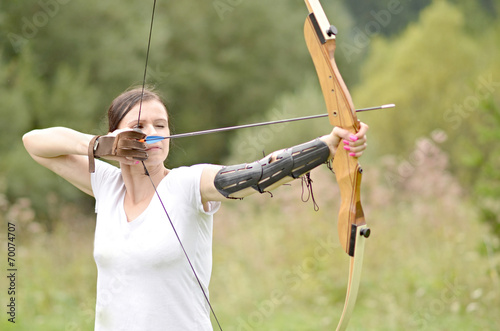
123	145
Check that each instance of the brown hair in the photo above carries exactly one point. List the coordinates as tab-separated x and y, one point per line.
123	103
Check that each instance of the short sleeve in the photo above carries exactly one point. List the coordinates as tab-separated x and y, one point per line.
186	181
106	178
213	207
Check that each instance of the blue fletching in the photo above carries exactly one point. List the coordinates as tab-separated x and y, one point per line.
154	139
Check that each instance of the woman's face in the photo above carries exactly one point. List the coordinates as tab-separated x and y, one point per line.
153	122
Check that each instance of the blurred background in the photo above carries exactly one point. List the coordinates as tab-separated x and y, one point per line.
431	186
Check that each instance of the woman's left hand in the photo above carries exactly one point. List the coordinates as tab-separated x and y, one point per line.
355	144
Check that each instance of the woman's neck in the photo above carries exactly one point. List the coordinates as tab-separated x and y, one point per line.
138	183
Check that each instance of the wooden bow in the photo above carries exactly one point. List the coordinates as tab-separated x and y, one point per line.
352	229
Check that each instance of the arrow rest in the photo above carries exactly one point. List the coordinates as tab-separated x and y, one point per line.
365	232
332	31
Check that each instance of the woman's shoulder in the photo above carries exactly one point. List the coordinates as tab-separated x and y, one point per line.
187	176
106	168
192	170
105	174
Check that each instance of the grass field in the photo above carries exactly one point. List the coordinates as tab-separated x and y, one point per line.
429	263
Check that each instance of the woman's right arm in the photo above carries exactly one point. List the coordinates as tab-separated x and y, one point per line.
64	151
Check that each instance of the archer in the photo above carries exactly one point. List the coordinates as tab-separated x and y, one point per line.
143	231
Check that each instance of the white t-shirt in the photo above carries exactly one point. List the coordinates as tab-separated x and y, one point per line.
144	280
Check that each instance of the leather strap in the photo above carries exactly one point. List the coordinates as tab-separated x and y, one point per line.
91	153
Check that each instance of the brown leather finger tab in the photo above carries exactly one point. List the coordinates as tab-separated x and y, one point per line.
130	144
124	139
135	134
132	148
135	154
105	146
141	156
91	154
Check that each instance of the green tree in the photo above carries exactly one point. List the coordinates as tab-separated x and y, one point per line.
443	76
482	154
424	71
28	102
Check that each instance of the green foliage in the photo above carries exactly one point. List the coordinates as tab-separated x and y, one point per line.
486	165
442	75
369	12
484	144
251	144
29	102
412	72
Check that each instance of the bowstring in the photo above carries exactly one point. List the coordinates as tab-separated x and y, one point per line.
146	172
147	61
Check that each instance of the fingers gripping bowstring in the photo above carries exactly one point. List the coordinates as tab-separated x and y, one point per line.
152	183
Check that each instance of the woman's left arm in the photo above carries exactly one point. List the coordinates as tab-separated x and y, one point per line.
211	176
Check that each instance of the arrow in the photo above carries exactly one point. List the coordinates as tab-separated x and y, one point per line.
154	139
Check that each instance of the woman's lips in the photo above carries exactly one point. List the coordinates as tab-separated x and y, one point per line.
152	148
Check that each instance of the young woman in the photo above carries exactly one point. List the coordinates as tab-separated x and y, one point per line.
144	280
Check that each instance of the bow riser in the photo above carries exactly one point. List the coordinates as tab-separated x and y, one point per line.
341	113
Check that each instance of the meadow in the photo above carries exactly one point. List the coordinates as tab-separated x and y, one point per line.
429	263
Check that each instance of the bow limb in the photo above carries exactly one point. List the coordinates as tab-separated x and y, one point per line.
352	229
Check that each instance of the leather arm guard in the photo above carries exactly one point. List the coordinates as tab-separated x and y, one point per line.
126	144
259	175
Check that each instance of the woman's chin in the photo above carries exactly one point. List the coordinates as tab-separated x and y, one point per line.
154	160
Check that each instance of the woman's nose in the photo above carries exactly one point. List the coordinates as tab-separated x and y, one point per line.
149	130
